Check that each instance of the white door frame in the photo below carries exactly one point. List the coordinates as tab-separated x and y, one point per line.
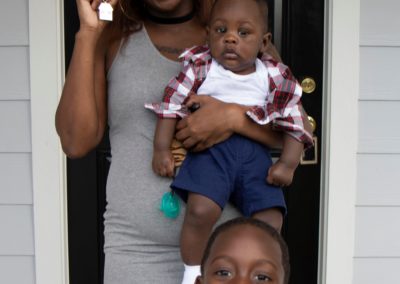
46	45
338	162
340	122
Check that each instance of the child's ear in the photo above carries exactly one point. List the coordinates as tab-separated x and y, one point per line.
199	280
266	40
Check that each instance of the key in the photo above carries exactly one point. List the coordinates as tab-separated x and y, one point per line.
105	11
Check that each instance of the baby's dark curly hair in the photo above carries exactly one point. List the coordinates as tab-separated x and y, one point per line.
263	4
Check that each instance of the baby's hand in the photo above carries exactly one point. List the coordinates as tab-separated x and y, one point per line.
280	174
163	163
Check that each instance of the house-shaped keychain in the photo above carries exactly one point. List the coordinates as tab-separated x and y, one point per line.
105	11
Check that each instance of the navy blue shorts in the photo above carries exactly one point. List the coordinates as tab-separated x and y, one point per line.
235	170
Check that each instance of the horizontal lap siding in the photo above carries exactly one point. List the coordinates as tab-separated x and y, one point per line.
377	270
380	23
377	247
378	180
16	208
379	127
17	269
15	127
378	232
14	23
16	178
14	73
16	223
379	73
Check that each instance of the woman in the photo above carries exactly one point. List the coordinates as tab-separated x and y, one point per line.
115	68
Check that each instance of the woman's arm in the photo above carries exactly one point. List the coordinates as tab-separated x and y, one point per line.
81	113
215	121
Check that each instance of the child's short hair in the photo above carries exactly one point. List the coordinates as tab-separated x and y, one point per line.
269	230
263	8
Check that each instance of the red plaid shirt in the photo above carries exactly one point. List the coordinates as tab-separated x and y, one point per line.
282	104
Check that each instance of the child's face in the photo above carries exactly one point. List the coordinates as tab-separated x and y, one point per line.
243	254
236	34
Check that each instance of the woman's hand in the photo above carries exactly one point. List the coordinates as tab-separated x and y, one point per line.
216	121
212	123
271	50
88	14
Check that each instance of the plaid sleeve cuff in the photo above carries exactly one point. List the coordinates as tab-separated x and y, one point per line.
167	110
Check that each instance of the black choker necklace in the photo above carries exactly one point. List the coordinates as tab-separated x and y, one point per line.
170	21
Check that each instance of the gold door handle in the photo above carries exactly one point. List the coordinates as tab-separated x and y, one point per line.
313	123
308	85
310	156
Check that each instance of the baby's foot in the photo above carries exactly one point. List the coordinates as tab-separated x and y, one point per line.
280	174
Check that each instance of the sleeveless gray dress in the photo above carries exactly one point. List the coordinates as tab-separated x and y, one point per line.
141	245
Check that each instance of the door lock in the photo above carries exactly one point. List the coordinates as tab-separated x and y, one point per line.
308	85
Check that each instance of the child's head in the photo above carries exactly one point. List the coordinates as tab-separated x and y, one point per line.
238	32
245	250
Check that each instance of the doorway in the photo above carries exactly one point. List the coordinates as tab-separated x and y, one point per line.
298	28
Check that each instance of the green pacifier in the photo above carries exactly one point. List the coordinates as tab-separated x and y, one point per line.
170	205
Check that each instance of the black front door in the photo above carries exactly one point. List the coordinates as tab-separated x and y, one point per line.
302	50
299	27
86	181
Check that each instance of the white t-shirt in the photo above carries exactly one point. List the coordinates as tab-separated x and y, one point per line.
229	87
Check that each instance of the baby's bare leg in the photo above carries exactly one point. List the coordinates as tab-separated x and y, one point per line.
272	216
201	215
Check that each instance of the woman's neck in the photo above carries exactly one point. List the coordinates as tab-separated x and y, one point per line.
183	10
163	20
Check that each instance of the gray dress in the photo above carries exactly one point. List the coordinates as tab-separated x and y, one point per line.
141	245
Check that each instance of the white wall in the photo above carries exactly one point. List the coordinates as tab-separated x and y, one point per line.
16	213
377	247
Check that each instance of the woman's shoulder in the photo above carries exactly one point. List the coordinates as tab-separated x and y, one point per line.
110	43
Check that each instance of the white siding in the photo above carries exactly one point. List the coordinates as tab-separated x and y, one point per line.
17	270
14	23
15	126
16	212
16	190
378	232
380	23
376	270
378	176
379	73
379	127
14	74
377	247
16	224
